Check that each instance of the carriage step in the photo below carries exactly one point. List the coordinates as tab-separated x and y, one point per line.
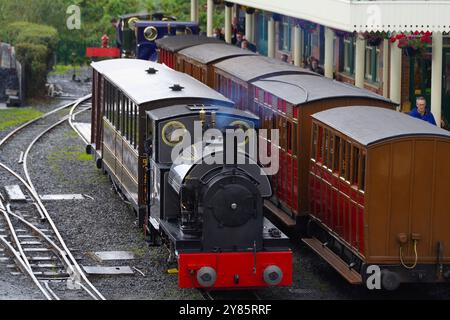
280	214
331	258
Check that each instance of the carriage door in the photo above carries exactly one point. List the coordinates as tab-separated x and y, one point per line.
420	78
446	82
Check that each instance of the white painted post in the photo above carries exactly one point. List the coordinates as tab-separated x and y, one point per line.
386	68
194	11
297	46
249	35
396	74
210	18
329	53
228	22
271	39
436	77
360	57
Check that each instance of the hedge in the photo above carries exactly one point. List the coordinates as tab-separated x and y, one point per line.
35	46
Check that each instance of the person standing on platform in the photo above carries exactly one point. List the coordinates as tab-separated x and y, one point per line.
421	112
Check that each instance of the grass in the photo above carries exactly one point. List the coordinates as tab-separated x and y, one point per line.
12	117
70	154
61	69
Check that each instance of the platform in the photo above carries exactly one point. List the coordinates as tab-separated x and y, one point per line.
84	129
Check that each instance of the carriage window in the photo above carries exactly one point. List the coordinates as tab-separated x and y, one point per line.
337	153
127	116
289	137
326	148
109	103
320	145
244	98
294	139
106	99
355	166
220	84
261	96
314	142
114	106
268	98
362	180
331	153
275	101
345	170
295	111
122	113
136	125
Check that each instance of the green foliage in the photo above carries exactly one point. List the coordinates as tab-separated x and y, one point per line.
35	45
12	117
34	57
46	23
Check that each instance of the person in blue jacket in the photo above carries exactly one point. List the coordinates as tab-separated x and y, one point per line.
421	111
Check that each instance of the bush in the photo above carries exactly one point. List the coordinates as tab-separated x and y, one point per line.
35	46
34	59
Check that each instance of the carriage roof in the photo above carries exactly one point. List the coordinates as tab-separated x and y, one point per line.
212	52
177	43
131	77
303	88
252	68
370	125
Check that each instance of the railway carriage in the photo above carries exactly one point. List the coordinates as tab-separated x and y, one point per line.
123	91
170	46
286	103
199	61
379	194
210	214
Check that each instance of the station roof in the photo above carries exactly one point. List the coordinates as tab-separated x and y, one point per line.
130	76
370	125
177	43
147	23
212	52
252	68
303	88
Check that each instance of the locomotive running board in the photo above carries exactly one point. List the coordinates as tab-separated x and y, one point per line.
280	214
332	259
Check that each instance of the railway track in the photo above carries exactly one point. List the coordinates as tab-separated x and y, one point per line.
29	237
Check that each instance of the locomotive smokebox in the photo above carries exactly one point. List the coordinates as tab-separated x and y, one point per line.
222	203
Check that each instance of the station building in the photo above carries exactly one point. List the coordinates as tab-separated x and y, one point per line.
352	41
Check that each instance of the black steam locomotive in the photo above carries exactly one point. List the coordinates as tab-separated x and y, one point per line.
152	134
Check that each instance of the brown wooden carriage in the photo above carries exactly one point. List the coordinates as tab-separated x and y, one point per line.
379	195
198	61
286	103
170	46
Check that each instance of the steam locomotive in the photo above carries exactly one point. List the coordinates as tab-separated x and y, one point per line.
209	213
137	33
